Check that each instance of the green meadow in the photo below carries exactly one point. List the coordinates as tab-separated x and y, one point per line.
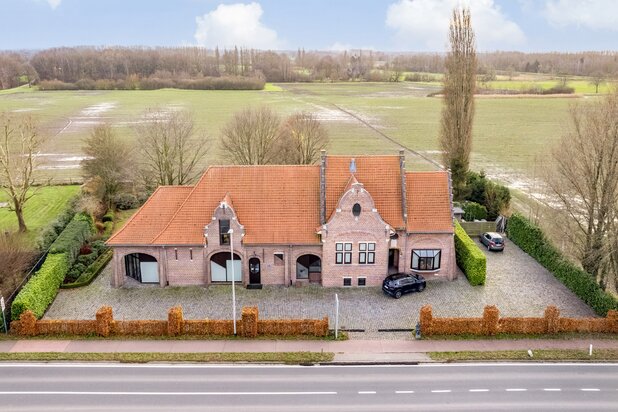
510	133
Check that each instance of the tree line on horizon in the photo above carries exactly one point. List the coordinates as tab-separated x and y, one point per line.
142	67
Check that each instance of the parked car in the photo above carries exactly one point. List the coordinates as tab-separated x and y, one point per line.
493	241
401	283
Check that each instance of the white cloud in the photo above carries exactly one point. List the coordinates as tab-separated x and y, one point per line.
237	24
54	3
423	24
591	14
338	46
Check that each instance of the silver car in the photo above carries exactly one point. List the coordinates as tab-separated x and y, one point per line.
493	241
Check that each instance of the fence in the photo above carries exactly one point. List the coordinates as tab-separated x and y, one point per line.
248	326
491	323
476	228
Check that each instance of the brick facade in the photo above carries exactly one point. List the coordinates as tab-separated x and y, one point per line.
375	226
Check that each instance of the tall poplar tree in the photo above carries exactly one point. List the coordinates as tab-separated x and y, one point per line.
458	109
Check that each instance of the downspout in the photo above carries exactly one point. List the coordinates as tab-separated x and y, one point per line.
322	186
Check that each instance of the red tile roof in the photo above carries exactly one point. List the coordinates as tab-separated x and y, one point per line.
380	176
281	204
152	217
275	204
429	202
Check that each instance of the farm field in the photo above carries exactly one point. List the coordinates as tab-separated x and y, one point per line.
509	132
39	212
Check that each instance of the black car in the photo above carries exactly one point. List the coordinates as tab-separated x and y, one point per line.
397	285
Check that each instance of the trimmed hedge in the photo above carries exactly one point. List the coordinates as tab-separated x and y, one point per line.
531	239
469	257
73	237
41	290
91	271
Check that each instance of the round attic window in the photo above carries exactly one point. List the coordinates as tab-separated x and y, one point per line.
356	209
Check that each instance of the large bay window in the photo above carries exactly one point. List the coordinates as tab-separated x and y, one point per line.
426	259
343	253
367	253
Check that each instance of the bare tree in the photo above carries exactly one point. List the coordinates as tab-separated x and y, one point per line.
251	137
20	144
584	178
596	80
302	137
171	149
15	258
458	109
109	158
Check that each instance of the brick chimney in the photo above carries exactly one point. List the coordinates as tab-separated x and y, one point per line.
323	187
402	169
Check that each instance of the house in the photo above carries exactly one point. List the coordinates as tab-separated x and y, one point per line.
348	221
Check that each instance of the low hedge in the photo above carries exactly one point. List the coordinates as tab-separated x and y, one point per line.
469	257
91	271
73	237
41	290
531	239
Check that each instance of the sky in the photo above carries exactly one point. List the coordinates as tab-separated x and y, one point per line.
388	25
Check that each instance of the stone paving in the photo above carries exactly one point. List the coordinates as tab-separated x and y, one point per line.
516	283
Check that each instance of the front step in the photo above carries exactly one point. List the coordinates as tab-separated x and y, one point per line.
254	286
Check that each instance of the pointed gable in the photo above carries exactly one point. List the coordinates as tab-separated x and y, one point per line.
380	176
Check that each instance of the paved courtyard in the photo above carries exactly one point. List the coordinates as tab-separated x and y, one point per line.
516	283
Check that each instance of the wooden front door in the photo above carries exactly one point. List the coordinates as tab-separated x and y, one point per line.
254	271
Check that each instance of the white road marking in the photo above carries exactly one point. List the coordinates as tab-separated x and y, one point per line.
516	390
590	389
366	392
161	393
441	391
404	391
552	389
478	390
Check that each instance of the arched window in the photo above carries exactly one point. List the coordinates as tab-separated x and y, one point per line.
356	209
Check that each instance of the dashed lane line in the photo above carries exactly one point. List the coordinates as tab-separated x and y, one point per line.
404	391
441	391
590	389
478	390
366	392
516	390
552	389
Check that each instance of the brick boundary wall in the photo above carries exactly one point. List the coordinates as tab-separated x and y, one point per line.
491	323
249	326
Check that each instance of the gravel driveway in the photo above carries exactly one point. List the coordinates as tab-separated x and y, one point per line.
516	283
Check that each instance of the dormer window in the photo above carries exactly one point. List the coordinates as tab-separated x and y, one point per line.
356	210
224	228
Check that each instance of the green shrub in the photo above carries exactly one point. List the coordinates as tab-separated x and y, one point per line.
108	217
73	236
126	201
98	246
87	260
531	239
42	288
483	191
92	271
469	257
474	211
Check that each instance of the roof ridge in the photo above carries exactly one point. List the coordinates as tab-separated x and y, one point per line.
260	166
181	205
134	215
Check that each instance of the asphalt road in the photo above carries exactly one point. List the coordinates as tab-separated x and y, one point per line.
166	387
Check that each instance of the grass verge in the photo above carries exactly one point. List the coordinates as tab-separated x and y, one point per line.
143	357
515	336
538	355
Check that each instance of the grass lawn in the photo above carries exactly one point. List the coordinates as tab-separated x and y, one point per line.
48	203
121	217
537	355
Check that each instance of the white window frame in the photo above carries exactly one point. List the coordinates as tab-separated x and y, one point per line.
277	261
347	278
358	281
343	253
366	253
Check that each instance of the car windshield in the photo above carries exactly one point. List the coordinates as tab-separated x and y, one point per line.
497	240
